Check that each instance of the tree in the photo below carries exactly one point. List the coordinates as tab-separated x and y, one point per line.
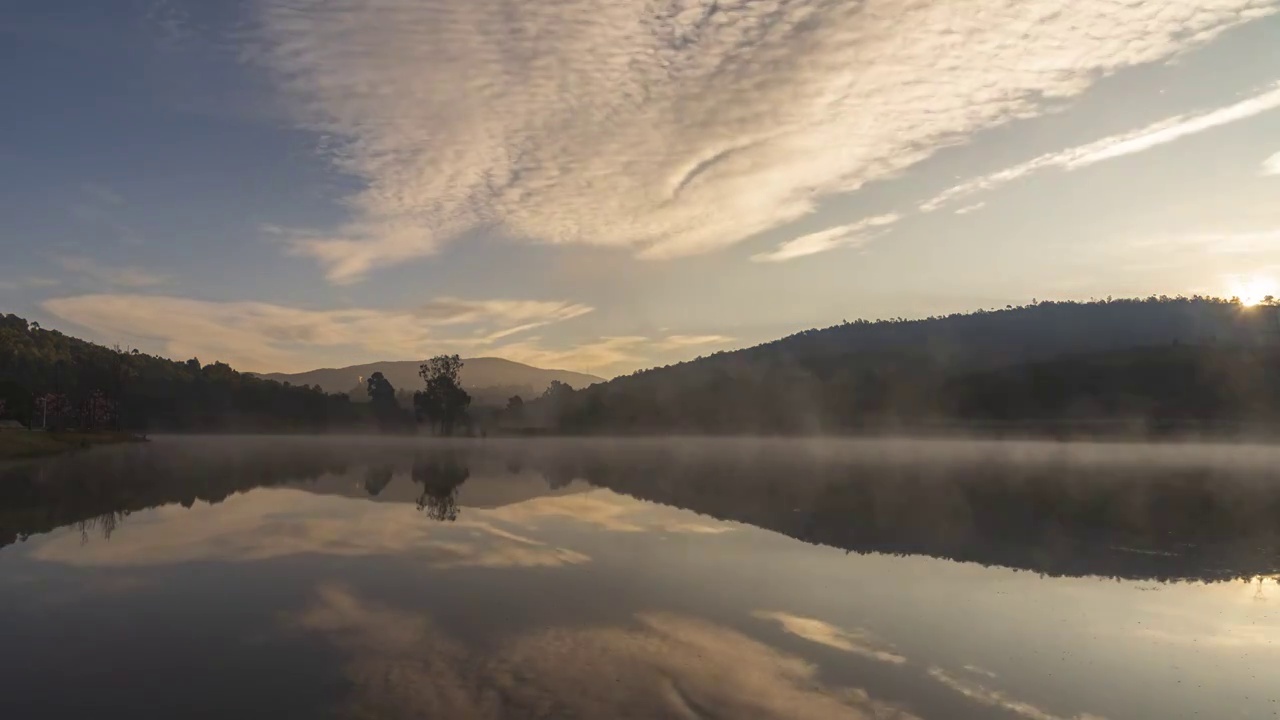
54	411
98	412
557	390
382	394
558	399
443	400
515	408
380	389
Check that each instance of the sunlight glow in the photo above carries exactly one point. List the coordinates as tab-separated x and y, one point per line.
1254	289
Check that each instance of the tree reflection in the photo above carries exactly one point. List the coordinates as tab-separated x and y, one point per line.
92	492
377	477
440	476
106	522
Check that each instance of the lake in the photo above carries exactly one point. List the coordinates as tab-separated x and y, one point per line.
266	577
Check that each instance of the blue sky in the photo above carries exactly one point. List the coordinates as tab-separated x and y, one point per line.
608	186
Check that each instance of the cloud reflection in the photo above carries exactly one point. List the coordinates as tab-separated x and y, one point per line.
601	508
997	699
858	642
661	665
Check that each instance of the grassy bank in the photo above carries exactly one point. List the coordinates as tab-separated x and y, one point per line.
15	445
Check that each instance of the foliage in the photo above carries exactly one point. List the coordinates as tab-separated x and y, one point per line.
386	409
443	403
514	412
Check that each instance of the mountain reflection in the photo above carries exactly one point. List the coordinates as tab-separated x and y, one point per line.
1137	512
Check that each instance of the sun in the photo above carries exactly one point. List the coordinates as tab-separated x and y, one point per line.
1254	289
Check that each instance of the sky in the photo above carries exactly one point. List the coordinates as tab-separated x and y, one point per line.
608	185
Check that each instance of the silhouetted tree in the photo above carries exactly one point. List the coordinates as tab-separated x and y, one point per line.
443	401
515	409
382	396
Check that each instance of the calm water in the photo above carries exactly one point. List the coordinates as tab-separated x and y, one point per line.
346	577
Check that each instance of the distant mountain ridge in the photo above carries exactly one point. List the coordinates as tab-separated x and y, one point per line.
478	374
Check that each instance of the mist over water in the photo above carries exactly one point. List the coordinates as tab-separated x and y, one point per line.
398	577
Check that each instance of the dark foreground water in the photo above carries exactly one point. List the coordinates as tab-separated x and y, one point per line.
370	578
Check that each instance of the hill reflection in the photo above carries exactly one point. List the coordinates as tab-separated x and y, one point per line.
1136	512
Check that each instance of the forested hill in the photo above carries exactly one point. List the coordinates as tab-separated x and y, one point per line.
1158	360
48	378
1038	331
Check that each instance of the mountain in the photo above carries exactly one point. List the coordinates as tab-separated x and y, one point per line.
504	377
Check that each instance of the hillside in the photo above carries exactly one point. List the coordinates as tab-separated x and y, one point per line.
504	377
1160	360
62	382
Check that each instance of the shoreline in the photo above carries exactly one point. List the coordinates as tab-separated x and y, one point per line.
30	444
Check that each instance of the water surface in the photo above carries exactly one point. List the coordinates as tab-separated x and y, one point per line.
369	577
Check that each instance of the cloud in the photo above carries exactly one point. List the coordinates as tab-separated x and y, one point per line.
262	336
824	240
126	277
171	22
997	699
858	642
401	665
1109	148
100	208
667	129
976	670
676	342
602	356
1235	242
1224	635
28	282
102	194
1271	166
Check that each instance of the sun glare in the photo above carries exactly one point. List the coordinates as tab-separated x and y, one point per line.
1253	290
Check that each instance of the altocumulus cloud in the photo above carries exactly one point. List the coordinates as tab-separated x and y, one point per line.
1272	165
256	335
674	127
